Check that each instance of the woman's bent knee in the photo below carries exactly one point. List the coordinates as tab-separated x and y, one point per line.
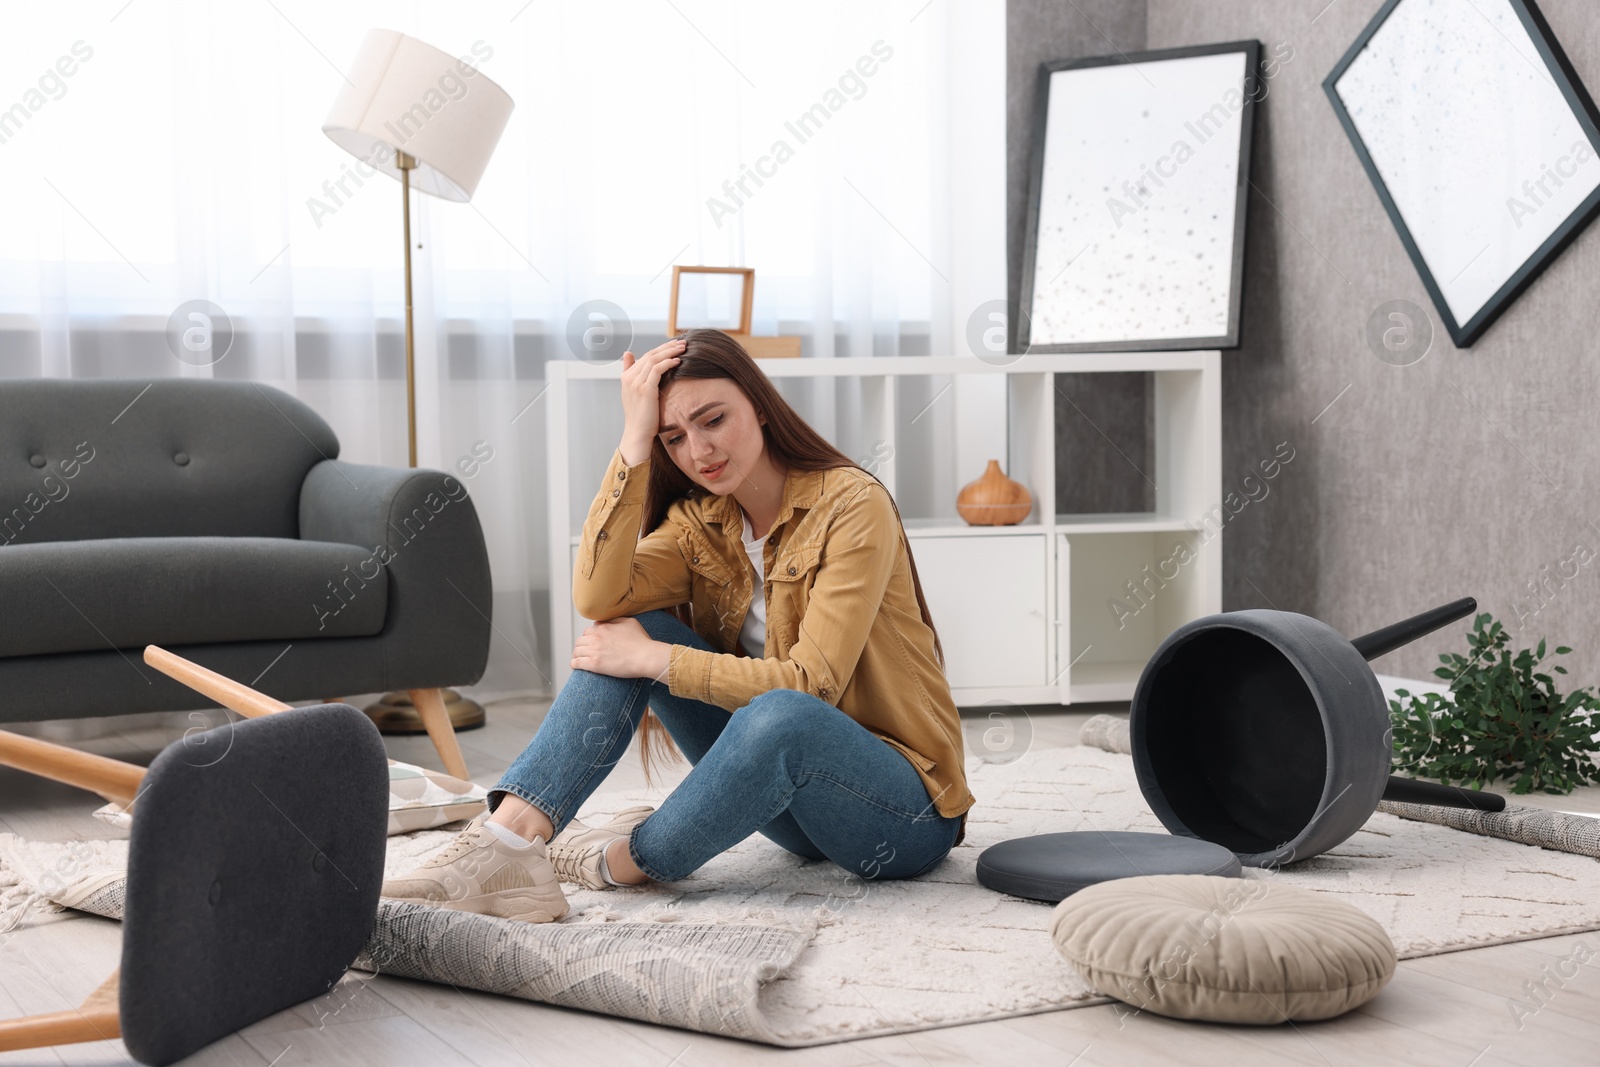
663	625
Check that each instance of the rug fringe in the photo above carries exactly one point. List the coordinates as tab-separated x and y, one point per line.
16	901
18	898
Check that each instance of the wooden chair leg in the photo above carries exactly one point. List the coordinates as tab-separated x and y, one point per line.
436	720
96	1019
119	782
111	778
232	695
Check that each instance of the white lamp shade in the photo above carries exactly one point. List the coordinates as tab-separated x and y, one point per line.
411	97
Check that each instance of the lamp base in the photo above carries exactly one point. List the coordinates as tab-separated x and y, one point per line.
395	714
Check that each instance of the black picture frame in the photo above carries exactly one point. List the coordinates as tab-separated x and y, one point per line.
1253	82
1582	106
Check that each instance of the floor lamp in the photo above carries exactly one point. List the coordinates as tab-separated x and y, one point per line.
431	121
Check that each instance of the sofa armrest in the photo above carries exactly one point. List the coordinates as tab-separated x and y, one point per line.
423	532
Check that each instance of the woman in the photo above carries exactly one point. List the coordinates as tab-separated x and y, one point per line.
799	669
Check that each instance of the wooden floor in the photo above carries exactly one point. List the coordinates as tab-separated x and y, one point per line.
1463	1009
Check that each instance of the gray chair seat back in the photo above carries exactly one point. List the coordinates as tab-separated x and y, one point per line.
255	862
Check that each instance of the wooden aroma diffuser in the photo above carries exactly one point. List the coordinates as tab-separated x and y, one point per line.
994	499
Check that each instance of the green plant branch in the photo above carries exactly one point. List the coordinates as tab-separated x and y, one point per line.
1502	720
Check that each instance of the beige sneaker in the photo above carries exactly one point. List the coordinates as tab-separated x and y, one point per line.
481	873
575	852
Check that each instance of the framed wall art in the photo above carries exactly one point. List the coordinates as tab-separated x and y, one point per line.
1137	201
1480	140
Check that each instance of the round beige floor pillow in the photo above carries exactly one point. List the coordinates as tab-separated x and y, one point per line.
1238	950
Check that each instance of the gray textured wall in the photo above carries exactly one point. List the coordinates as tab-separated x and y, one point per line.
1104	436
1471	472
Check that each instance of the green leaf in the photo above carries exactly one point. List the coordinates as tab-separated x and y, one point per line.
1502	718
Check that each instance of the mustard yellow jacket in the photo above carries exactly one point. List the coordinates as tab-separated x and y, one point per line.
842	616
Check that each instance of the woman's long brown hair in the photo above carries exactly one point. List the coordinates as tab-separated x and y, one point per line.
713	354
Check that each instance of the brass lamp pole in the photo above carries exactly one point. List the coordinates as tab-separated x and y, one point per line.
392	116
395	713
407	164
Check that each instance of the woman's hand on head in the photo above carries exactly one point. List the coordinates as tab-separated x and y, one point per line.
621	648
641	394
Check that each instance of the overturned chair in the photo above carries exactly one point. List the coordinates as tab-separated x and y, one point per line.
254	867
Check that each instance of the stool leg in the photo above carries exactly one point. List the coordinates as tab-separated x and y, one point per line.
436	720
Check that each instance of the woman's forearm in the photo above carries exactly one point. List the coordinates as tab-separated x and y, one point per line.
616	571
602	572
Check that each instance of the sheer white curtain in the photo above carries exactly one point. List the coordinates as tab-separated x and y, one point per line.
163	151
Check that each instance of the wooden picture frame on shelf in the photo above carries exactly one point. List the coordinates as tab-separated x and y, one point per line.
758	347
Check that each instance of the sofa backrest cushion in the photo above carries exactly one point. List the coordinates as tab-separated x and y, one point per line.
176	457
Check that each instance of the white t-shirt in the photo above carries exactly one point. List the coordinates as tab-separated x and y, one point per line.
753	635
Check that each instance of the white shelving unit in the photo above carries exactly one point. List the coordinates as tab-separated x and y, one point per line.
1027	613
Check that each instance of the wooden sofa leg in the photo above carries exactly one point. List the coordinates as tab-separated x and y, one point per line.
436	719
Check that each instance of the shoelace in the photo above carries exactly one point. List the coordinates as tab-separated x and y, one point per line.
567	859
568	863
466	841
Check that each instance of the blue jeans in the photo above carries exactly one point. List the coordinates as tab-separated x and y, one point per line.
787	764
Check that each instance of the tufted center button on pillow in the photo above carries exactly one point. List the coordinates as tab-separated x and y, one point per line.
181	458
37	461
215	896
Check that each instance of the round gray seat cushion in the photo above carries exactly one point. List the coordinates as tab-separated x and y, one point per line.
1051	867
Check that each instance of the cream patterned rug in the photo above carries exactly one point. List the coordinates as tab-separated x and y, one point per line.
763	945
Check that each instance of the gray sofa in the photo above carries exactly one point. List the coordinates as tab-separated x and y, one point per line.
214	518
